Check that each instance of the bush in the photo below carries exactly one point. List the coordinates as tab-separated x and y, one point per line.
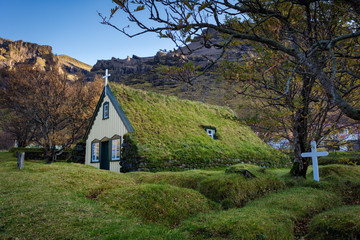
338	223
39	154
130	158
30	153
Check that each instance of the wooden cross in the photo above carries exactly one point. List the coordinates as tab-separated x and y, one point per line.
107	74
314	155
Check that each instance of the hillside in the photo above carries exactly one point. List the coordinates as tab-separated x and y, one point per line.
171	132
13	53
73	201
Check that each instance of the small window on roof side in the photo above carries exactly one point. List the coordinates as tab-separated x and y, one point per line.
106	110
210	132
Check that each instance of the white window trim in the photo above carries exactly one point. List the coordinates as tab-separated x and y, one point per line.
106	116
94	153
115	155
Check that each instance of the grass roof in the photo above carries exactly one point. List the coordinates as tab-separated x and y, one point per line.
170	129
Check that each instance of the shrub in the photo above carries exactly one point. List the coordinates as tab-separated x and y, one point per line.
30	153
39	154
130	159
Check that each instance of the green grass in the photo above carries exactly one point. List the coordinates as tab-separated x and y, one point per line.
171	130
50	202
228	189
338	223
271	217
73	201
164	204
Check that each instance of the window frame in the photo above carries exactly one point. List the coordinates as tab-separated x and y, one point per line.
211	132
97	159
117	149
106	105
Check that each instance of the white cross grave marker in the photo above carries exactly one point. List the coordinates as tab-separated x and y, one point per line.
314	155
107	74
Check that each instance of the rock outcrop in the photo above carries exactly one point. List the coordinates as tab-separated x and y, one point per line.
20	52
13	53
196	52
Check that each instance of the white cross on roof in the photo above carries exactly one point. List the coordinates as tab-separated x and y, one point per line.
107	74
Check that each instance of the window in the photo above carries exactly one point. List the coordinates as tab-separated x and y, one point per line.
106	110
115	153
211	132
95	152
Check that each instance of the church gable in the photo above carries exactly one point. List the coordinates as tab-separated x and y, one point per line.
108	108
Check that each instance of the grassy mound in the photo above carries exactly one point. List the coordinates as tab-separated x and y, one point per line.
271	217
171	132
158	203
228	189
72	201
234	190
185	179
48	202
339	173
338	223
350	158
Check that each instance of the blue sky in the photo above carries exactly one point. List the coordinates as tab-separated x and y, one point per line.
72	27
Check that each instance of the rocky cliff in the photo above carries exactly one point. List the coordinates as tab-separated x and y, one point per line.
195	52
13	53
143	72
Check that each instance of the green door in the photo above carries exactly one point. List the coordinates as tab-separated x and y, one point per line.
104	156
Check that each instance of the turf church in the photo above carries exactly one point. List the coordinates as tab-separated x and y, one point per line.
105	132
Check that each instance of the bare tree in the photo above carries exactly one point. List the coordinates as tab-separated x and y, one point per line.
56	110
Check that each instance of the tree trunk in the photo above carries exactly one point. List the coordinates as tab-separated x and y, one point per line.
49	153
300	165
300	129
